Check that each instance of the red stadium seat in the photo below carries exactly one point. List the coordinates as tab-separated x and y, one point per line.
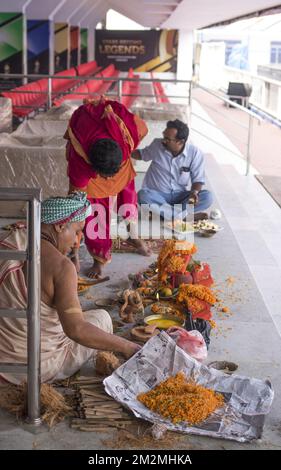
89	68
130	88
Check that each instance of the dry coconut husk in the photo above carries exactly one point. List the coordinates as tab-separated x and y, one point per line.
54	408
106	363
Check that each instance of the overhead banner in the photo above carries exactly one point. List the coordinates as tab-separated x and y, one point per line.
38	33
11	43
84	45
144	51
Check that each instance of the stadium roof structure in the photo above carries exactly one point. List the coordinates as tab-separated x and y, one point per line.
172	14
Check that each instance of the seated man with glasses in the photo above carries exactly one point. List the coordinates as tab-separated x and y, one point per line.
175	177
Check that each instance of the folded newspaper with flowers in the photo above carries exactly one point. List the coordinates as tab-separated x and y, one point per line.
247	400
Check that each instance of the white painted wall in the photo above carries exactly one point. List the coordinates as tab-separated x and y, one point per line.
212	64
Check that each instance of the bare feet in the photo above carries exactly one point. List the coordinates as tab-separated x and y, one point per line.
195	217
140	245
95	271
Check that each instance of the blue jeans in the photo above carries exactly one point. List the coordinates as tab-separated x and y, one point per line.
173	204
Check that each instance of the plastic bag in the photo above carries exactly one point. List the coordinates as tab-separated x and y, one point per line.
203	326
192	342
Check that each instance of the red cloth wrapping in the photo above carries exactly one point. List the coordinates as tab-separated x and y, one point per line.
203	276
203	311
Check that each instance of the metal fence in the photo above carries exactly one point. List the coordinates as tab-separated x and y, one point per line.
32	312
247	142
116	91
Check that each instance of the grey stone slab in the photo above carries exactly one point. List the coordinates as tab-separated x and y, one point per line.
236	340
277	320
254	248
269	278
234	210
242	223
272	299
225	257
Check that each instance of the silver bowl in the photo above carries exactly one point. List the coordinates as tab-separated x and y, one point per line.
224	366
207	232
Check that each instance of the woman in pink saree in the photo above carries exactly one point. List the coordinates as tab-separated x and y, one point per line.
101	137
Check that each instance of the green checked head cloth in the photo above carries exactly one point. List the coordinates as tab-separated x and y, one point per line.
60	210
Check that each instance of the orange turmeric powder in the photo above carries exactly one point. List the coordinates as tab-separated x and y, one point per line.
181	400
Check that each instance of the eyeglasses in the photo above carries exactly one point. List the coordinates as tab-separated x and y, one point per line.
169	140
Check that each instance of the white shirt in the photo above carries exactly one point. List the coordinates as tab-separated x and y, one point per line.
166	173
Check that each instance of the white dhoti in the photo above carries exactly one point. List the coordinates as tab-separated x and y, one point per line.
60	356
77	354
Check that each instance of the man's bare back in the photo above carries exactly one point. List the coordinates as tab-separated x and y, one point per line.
52	266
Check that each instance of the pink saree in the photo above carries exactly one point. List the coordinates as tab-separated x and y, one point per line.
89	123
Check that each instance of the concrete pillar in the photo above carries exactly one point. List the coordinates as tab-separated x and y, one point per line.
24	49
185	61
52	48
68	46
91	43
79	46
24	40
185	55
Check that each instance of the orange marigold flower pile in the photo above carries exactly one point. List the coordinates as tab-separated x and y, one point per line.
166	251
170	257
197	291
175	264
181	400
195	306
